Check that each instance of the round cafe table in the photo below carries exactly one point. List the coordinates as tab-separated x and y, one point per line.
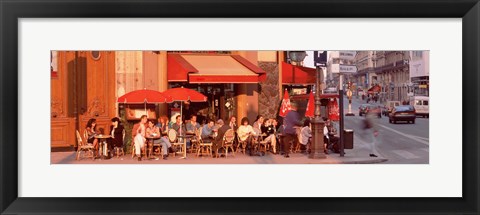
149	146
102	140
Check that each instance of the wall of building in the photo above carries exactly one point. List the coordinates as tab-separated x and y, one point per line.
91	81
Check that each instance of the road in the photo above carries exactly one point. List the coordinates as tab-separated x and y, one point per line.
400	143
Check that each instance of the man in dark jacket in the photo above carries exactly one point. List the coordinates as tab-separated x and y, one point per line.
217	143
292	121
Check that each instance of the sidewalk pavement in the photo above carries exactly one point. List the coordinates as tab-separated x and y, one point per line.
360	156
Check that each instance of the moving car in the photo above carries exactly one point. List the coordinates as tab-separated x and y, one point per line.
420	103
389	105
364	109
402	113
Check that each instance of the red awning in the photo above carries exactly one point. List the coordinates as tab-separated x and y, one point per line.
375	88
194	68
306	96
297	74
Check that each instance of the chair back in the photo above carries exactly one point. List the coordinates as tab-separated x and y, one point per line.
198	134
79	138
85	135
229	136
172	135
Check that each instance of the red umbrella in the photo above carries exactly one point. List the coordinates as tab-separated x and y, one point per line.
310	106
285	104
144	96
184	94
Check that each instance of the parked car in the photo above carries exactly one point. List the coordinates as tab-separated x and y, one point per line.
389	105
364	109
402	113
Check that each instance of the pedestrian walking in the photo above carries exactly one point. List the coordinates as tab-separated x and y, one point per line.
371	133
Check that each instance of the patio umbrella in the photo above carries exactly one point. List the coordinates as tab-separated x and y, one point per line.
285	104
144	96
310	106
184	94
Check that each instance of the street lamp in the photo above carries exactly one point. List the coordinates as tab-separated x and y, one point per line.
317	148
297	57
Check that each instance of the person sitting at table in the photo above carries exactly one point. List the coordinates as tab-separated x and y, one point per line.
245	133
207	131
233	125
91	132
257	125
217	142
163	124
193	125
116	130
268	132
139	139
154	132
306	134
179	127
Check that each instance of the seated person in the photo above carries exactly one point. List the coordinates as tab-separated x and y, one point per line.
193	125
306	134
179	127
217	142
116	130
268	129
91	132
153	131
245	133
207	132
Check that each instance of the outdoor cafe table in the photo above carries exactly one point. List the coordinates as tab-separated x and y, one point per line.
102	139
150	143
184	147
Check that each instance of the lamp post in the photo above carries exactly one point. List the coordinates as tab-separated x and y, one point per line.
317	148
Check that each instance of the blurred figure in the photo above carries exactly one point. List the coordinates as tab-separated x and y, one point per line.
245	133
371	133
292	122
117	132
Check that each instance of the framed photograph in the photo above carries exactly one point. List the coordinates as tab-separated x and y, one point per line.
68	37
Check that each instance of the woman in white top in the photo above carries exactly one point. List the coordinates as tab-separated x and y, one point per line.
140	137
245	132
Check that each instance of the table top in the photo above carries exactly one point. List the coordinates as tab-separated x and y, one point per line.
100	136
153	137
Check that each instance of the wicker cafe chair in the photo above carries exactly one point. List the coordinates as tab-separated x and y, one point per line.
242	144
227	142
85	147
262	144
195	143
177	145
143	150
204	148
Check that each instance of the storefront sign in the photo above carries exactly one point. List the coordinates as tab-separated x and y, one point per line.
347	55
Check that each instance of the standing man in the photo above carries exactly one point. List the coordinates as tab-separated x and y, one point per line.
371	131
292	120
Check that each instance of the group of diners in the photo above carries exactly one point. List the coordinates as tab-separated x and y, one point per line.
274	138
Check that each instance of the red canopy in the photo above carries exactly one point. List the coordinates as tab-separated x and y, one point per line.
144	96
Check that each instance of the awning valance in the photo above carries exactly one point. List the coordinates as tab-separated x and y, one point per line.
297	74
211	68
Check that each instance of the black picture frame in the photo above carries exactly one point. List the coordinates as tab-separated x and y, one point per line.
12	10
